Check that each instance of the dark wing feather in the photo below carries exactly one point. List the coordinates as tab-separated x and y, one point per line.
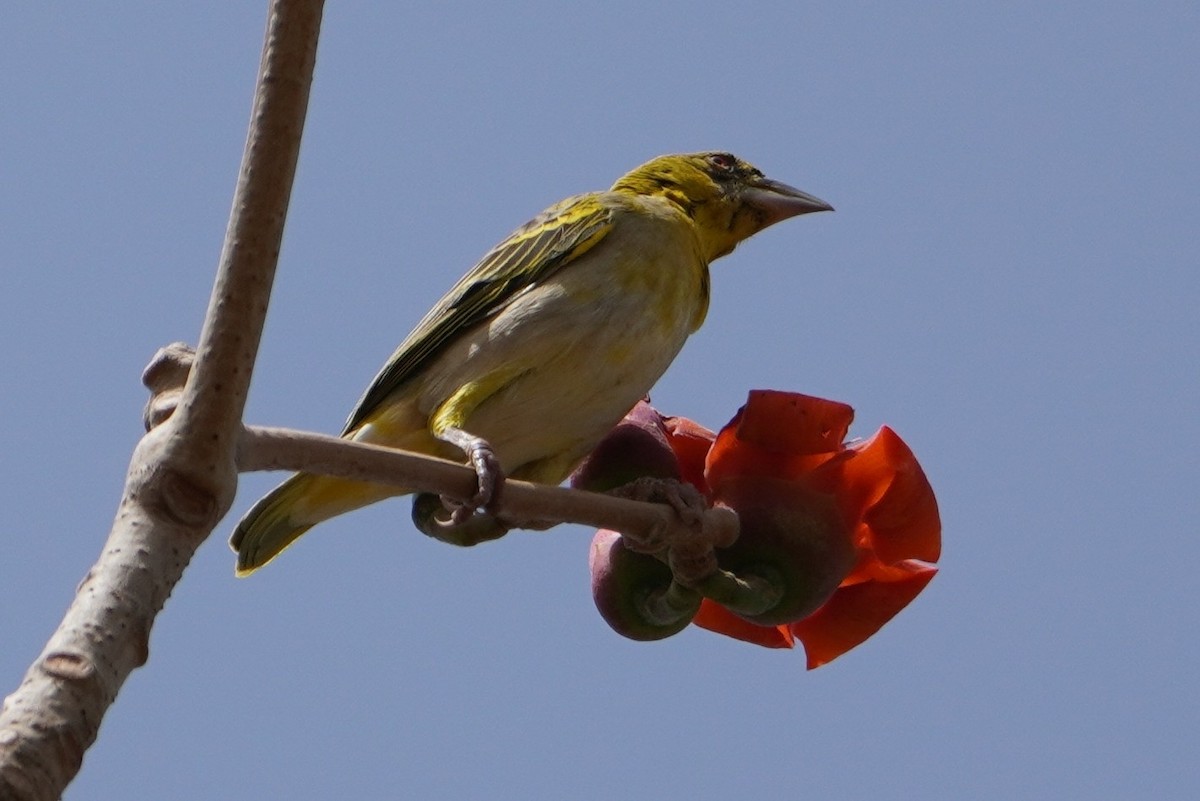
528	256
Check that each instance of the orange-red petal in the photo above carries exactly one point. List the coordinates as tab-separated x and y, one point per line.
904	521
857	611
779	434
714	617
792	423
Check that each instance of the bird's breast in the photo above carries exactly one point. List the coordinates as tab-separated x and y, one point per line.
582	347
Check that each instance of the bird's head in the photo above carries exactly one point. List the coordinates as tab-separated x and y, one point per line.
728	199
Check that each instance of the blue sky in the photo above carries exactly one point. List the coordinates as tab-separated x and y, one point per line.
1010	282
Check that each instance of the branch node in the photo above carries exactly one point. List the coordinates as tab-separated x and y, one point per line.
164	377
185	501
69	666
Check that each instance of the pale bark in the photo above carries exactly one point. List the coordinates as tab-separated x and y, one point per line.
182	476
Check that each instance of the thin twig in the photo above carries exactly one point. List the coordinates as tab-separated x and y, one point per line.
655	525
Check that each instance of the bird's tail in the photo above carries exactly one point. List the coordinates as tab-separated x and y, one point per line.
291	509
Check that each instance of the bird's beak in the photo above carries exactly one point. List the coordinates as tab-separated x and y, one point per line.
778	201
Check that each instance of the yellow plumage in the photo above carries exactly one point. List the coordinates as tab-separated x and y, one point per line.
546	343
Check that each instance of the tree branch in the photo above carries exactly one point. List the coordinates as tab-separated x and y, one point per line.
182	476
520	504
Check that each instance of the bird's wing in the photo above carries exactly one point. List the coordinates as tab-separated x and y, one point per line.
536	250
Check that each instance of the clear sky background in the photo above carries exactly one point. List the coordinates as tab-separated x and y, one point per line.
1010	281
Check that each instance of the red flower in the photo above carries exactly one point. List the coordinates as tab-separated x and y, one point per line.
834	539
859	521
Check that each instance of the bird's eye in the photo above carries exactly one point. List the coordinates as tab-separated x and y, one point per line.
722	161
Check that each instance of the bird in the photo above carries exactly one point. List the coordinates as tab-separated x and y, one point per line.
545	344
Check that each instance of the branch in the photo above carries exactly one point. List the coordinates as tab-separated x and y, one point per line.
655	527
182	476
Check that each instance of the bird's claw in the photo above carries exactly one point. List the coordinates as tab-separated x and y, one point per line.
488	473
687	501
689	549
430	516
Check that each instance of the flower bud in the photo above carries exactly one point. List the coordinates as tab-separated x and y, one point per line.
635	593
636	447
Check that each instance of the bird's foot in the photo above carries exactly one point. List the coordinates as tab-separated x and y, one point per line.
430	514
488	473
687	501
689	547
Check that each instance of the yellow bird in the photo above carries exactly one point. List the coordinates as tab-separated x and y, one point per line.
541	348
